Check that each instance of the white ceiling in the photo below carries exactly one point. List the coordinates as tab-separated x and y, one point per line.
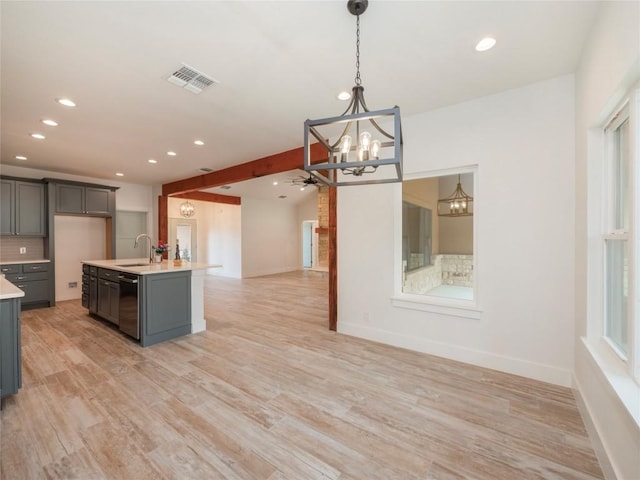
278	63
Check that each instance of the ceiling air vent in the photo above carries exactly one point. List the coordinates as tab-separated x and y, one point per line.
206	170
225	187
191	79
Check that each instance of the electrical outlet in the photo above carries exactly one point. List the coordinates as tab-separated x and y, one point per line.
73	284
23	250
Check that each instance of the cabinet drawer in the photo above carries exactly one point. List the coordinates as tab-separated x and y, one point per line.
85	279
85	288
85	268
35	267
85	300
7	269
36	291
110	275
27	277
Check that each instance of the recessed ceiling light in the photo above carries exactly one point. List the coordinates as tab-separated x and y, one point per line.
198	142
171	153
302	189
119	174
151	160
39	136
20	157
275	183
51	123
344	96
66	102
485	44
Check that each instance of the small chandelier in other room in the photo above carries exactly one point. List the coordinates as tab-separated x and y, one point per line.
363	147
187	209
458	204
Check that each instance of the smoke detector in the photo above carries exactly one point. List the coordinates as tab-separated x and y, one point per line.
191	79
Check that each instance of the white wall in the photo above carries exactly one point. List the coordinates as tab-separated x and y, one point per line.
77	239
270	237
219	235
523	144
609	67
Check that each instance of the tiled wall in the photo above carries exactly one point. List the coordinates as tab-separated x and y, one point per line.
10	248
323	222
445	270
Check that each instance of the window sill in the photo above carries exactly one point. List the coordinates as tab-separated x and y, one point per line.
620	380
443	306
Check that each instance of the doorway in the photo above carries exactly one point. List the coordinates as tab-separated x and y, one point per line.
309	244
184	233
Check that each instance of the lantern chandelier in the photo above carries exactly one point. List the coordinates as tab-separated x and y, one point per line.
360	150
458	204
187	209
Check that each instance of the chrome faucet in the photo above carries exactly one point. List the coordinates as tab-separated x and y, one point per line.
144	235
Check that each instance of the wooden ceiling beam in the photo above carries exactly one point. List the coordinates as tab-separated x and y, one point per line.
209	197
278	163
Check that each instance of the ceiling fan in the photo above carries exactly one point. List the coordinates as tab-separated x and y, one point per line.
303	181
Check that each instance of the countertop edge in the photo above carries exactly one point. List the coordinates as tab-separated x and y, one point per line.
21	262
9	290
151	269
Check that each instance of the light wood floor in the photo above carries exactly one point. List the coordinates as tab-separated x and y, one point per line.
267	392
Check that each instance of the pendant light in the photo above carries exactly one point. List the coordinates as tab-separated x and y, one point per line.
458	204
363	146
187	209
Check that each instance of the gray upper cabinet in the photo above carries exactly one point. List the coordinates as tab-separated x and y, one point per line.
31	215
83	200
7	207
23	210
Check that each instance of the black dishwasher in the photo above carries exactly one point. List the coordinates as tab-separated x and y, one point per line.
128	305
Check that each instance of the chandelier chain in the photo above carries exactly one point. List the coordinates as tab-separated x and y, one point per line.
358	80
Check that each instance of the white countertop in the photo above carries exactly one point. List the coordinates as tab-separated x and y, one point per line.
166	266
9	290
21	262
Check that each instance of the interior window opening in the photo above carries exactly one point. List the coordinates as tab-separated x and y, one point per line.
437	236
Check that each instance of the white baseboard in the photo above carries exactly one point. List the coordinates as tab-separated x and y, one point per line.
596	441
502	363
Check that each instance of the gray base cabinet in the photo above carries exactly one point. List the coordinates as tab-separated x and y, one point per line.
165	307
33	280
10	357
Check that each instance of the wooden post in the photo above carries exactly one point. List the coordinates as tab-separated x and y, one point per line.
163	220
333	258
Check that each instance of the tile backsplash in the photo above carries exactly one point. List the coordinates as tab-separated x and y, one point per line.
10	248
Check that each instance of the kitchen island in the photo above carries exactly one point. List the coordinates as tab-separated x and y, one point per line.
151	302
10	351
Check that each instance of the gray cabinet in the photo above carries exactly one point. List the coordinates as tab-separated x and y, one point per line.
83	200
10	357
166	307
33	280
108	295
23	210
31	214
7	207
